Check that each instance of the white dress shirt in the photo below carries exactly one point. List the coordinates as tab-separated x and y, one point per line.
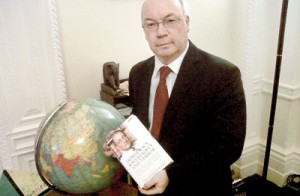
171	78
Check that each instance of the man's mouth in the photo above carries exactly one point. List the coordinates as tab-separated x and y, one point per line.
162	44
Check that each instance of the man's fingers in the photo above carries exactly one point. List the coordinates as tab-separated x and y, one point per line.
107	150
151	191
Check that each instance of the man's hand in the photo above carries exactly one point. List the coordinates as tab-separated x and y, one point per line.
107	150
157	185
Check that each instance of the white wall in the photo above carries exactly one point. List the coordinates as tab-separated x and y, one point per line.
94	32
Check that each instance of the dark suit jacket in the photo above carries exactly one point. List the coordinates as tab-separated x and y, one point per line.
204	124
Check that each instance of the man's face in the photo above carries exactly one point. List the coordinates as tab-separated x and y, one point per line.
167	43
122	141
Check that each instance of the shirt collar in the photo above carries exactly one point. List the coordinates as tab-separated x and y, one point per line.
174	66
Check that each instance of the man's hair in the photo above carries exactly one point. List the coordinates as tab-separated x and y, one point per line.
181	2
182	5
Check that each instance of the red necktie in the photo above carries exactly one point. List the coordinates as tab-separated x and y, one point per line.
160	101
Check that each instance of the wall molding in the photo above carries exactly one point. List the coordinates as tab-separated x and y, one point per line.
61	84
286	91
282	161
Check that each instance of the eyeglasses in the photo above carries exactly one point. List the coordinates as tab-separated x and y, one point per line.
167	22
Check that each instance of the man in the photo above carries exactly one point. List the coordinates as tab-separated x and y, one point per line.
204	124
120	143
121	140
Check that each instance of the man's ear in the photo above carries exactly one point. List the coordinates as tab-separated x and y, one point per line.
187	20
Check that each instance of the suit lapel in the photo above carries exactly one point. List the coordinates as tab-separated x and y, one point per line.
145	92
189	72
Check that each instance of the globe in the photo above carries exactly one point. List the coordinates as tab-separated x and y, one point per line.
68	149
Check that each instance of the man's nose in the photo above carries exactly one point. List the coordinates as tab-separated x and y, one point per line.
161	29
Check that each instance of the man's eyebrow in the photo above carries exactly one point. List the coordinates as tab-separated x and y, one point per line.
167	16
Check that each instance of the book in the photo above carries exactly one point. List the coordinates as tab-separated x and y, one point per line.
138	151
29	183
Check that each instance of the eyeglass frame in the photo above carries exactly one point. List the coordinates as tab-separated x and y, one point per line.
163	22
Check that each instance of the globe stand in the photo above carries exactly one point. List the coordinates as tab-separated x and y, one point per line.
119	189
116	189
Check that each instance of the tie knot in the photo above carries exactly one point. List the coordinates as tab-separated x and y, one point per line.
164	72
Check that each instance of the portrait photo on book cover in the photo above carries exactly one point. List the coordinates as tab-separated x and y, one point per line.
123	142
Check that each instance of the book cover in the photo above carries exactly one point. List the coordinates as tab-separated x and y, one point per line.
27	183
140	153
